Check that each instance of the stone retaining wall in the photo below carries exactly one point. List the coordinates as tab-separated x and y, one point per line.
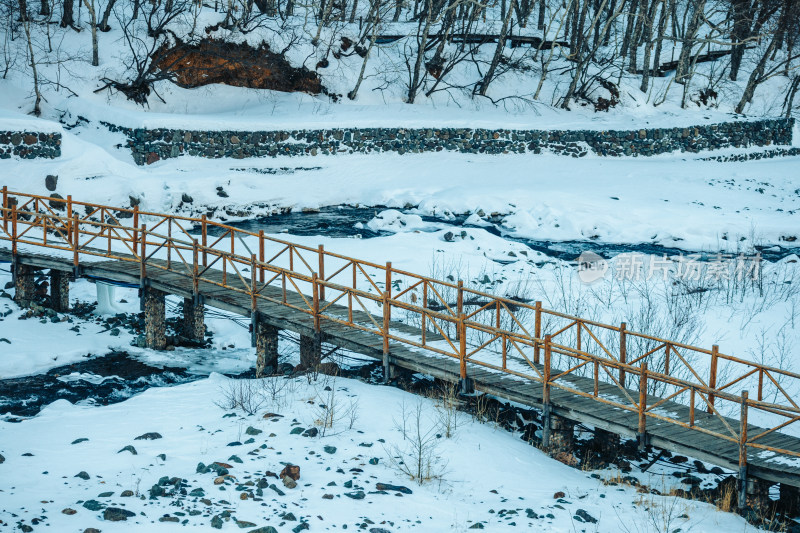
151	145
754	156
29	144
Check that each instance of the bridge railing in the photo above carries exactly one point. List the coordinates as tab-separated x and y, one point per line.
629	371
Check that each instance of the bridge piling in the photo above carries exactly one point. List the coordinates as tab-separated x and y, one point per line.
24	285
266	338
154	318
310	350
59	290
194	327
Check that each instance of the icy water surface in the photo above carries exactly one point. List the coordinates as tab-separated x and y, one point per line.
340	222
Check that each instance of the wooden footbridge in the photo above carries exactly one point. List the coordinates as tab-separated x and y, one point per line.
682	398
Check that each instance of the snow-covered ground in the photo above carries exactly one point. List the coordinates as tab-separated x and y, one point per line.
481	474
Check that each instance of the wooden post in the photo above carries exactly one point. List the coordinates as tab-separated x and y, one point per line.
5	207
315	292
460	298
142	256
261	253
169	242
642	407
350	296
387	317
691	407
537	332
546	408
322	271
743	453
14	230
760	384
135	229
424	318
712	378
253	303
204	237
623	352
462	351
76	234
195	270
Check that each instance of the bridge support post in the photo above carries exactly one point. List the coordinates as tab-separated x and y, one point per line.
606	443
789	499
562	433
154	319
310	350
59	290
24	286
266	349
757	496
194	327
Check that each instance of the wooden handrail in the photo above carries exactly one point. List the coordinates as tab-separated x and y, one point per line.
22	212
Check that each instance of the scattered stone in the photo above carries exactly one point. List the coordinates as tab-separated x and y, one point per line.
374	461
126	494
289	517
253	431
583	516
378	530
327	496
105	495
235	459
78	441
356	495
115	514
277	490
129	448
476	525
292	471
265	529
300	527
168	518
396	488
93	505
83	475
69	511
558	495
288	482
91	530
216	522
185	198
310	432
243	524
149	436
330	449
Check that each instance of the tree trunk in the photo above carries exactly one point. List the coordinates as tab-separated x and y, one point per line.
106	14
423	43
498	52
68	15
648	45
540	22
93	14
45	8
743	13
755	76
37	110
682	70
23	10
